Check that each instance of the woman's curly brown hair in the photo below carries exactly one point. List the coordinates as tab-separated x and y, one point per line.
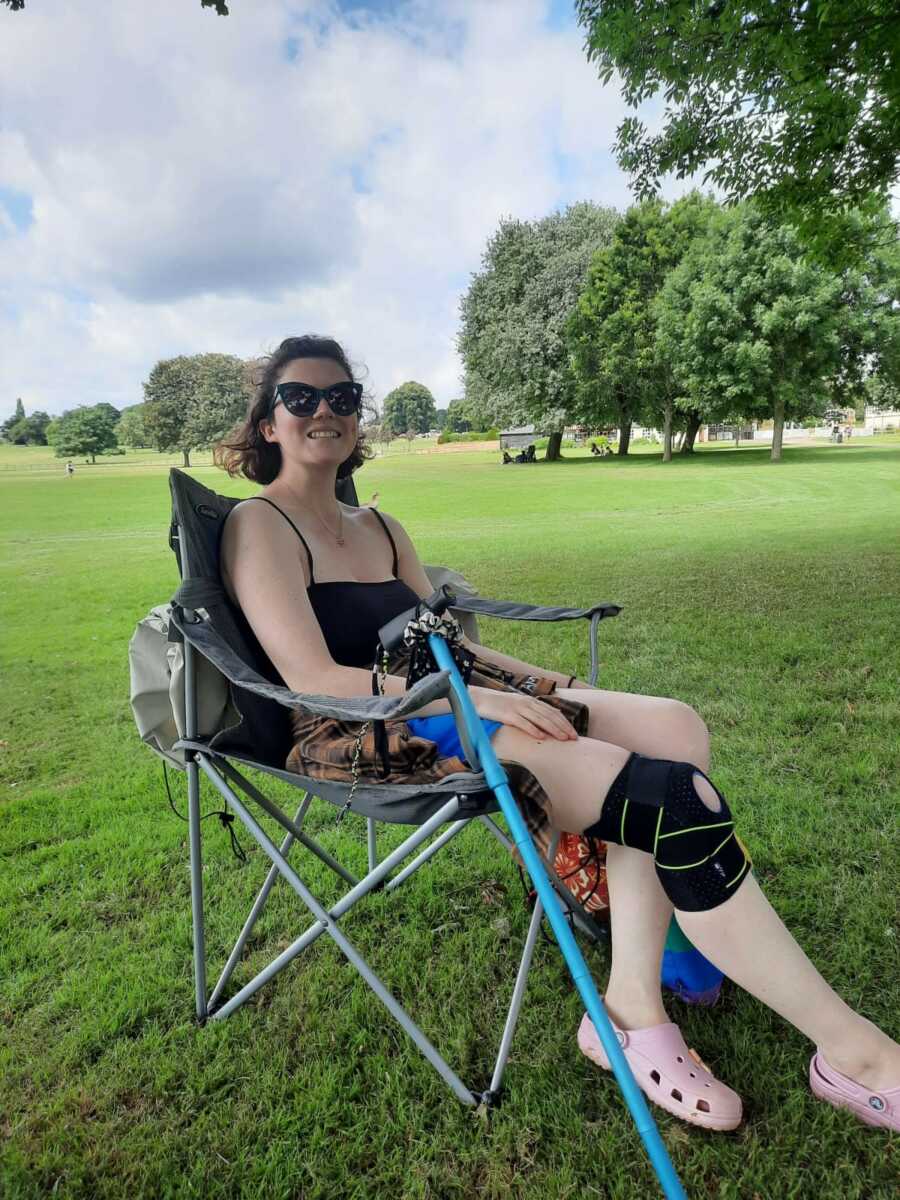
244	451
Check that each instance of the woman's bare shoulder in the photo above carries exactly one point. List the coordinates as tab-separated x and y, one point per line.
257	536
251	515
393	524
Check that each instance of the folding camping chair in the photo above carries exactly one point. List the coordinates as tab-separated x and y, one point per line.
208	624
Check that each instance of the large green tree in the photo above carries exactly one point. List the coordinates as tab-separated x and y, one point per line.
460	418
793	102
87	430
220	400
512	336
612	330
191	401
870	344
410	407
169	393
21	430
751	326
30	431
17	416
130	430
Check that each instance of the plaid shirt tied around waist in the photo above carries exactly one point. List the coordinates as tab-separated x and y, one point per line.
324	747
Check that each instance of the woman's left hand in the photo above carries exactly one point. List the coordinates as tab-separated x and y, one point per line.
533	716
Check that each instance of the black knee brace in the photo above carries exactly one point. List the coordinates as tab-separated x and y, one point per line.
653	806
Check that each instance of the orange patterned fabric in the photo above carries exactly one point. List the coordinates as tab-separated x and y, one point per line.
581	864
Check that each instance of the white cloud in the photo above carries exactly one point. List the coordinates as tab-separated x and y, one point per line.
194	187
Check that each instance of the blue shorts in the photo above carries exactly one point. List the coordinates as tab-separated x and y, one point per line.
442	731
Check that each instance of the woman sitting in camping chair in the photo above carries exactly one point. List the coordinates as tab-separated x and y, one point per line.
317	579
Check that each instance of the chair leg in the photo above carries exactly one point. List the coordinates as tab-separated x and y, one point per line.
427	853
331	927
255	912
193	780
516	1002
372	843
225	768
518	991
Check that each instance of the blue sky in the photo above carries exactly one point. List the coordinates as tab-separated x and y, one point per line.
174	182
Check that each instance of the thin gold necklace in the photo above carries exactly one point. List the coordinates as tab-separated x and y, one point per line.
339	536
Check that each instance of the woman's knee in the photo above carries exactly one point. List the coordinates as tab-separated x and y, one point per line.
655	726
575	774
685	736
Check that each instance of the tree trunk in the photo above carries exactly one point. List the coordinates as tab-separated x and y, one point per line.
186	455
667	432
93	458
778	429
624	436
693	428
551	454
737	437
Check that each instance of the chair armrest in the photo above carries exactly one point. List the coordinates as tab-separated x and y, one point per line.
205	638
510	610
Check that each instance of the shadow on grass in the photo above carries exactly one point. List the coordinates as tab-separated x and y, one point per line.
744	456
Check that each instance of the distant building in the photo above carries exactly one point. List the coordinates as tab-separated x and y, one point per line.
881	420
728	432
518	438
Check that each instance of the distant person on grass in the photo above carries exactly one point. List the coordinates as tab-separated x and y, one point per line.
70	469
316	580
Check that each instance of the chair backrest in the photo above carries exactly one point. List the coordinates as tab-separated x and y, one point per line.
195	535
198	518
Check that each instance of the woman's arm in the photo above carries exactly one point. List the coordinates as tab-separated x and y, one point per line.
515	664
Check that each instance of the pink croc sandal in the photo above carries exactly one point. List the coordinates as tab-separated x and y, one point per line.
872	1108
669	1074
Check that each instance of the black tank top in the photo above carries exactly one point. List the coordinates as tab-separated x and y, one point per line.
351	613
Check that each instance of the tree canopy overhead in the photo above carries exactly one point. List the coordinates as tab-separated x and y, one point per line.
795	103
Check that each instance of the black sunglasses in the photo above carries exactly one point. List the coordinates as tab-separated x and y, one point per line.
302	399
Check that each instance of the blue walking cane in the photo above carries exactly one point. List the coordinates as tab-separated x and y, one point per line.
473	737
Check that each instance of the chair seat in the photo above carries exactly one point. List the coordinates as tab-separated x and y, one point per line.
396	804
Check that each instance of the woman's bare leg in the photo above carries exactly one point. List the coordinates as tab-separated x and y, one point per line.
744	937
639	920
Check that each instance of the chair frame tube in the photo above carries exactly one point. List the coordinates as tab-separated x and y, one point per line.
325	922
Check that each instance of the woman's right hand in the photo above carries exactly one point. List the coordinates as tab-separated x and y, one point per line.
533	716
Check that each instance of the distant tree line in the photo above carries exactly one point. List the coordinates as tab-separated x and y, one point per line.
190	402
25	431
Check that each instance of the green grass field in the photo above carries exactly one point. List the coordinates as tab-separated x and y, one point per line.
765	596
